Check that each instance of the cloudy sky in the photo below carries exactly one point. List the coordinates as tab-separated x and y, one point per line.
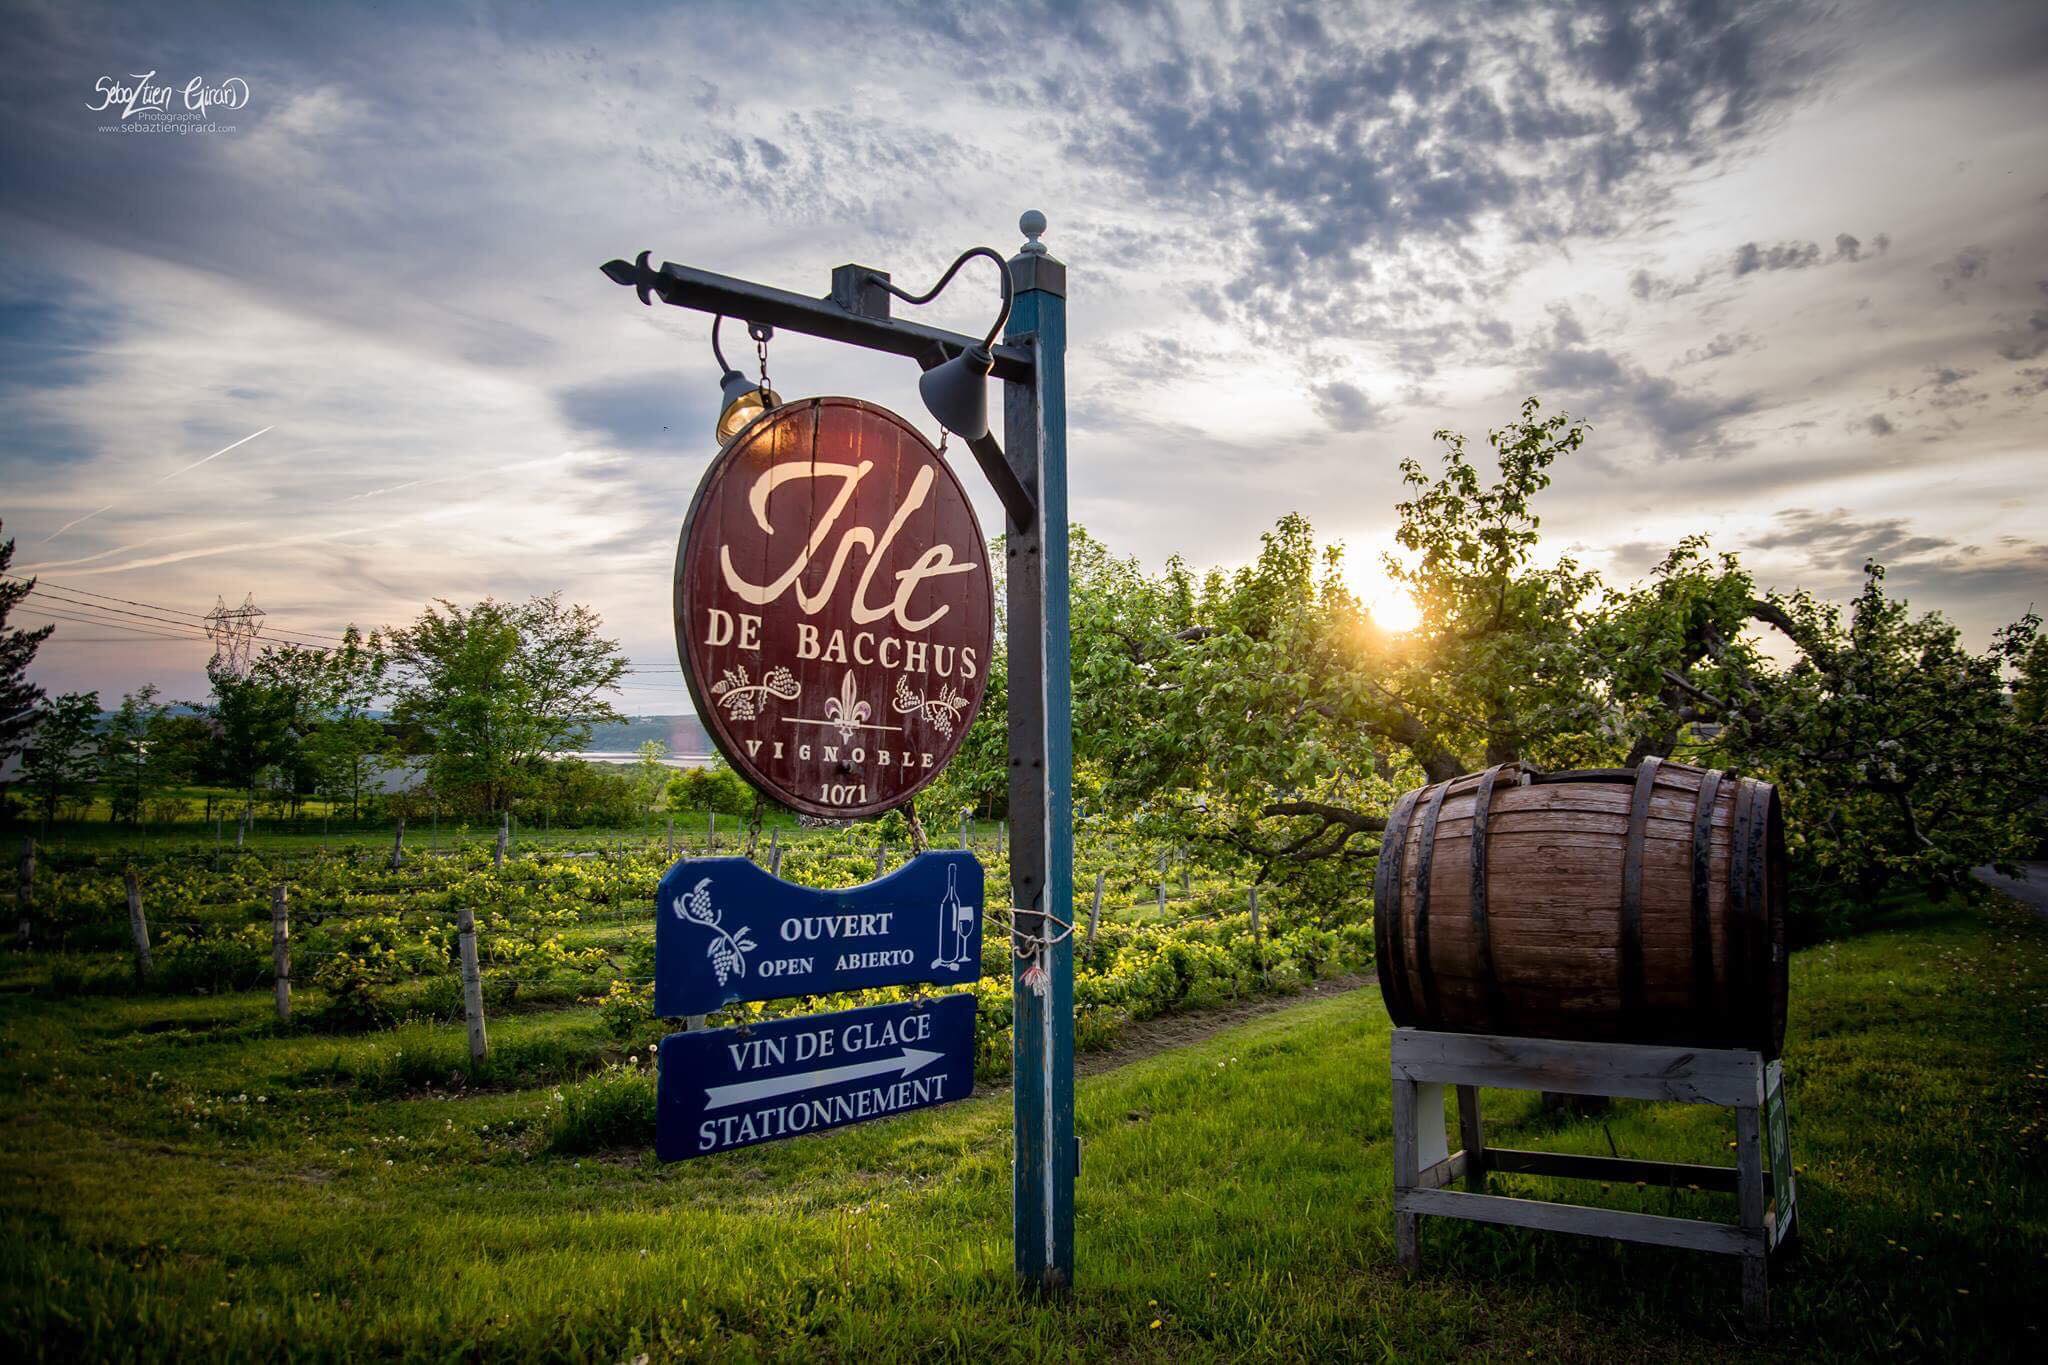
349	350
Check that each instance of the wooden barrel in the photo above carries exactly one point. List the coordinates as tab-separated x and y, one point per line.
1643	906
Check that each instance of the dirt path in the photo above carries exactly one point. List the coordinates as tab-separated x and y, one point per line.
1150	1037
2032	891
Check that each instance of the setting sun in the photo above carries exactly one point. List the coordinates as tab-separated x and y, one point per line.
1393	610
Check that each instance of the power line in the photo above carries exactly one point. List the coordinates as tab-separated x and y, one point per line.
163	621
139	632
81	605
291	635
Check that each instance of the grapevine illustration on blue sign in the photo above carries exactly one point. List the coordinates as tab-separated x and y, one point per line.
728	931
733	1087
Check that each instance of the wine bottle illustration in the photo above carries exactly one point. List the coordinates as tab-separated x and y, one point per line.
956	923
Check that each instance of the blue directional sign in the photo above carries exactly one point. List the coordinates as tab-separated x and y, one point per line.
734	1087
726	931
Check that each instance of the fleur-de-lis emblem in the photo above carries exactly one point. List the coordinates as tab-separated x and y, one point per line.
846	711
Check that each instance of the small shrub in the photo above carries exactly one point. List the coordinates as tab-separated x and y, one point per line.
626	1009
441	998
213	964
614	1108
499	988
353	1005
71	977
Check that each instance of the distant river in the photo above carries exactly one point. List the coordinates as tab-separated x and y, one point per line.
629	756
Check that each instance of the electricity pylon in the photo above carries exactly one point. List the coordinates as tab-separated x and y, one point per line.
232	633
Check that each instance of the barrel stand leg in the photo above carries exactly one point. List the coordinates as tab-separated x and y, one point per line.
1407	1226
1472	1136
1749	1193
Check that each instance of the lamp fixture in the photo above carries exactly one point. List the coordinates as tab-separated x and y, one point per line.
956	391
741	400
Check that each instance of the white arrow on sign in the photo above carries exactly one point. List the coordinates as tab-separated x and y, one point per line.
741	1092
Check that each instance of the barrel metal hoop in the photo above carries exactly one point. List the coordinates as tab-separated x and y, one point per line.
1386	900
1425	967
1736	933
1632	894
1702	882
1482	931
1754	1016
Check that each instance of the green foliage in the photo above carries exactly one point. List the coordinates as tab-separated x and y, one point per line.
1261	714
714	789
59	762
651	775
354	1005
210	963
18	696
1499	668
612	1109
1898	753
253	717
136	757
576	793
2030	687
626	1009
488	690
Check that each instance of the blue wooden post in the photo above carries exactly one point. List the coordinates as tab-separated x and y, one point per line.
1041	774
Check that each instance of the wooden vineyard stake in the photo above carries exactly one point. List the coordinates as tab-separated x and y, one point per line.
398	845
775	853
710	831
25	891
963	829
472	983
1095	910
881	860
1258	944
281	951
669	839
138	927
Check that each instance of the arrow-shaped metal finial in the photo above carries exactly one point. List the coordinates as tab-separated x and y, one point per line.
641	276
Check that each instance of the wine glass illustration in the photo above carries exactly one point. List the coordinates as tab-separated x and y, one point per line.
956	923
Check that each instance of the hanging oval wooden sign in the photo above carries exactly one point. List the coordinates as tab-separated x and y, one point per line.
834	607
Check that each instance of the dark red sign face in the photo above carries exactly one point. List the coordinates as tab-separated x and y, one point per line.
834	607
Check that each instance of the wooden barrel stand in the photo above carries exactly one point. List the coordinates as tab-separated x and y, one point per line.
1739	1079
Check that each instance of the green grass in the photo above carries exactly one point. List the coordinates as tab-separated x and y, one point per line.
177	1178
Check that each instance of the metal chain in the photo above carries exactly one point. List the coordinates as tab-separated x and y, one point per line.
760	334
